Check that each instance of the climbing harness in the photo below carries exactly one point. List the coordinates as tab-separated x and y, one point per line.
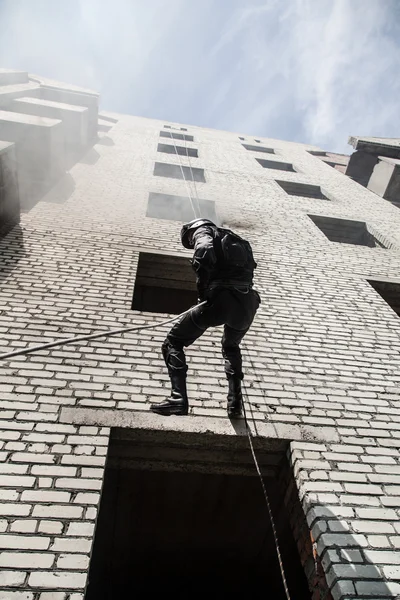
112	332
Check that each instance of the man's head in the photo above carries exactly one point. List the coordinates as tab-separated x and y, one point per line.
188	230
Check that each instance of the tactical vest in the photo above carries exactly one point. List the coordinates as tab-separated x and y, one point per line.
235	261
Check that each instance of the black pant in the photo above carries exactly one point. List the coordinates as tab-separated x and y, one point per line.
232	307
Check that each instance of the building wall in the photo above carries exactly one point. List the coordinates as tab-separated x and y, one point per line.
322	358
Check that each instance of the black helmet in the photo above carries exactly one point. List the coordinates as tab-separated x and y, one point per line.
190	227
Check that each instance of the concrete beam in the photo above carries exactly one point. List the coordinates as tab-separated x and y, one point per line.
11	77
91	101
385	179
199	425
75	120
18	90
361	165
9	195
39	151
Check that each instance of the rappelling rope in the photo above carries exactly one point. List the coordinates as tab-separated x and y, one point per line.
192	176
184	178
264	489
92	336
249	435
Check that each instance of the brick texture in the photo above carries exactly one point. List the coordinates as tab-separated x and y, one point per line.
322	358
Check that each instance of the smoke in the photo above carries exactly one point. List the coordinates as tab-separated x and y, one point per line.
245	221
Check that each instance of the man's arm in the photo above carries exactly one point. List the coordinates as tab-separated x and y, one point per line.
204	258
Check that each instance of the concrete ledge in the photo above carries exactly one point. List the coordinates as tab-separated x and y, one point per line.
201	425
10	77
65	96
39	150
74	118
104	125
18	90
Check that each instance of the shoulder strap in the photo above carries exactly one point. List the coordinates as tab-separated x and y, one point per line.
218	247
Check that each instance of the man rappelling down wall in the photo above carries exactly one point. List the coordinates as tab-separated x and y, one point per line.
224	265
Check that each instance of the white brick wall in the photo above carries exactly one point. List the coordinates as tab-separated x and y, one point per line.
324	353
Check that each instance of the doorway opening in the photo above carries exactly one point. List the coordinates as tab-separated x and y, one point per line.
183	515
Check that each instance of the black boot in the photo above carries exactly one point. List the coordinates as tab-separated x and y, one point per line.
235	398
177	404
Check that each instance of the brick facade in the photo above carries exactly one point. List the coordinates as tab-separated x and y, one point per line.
322	358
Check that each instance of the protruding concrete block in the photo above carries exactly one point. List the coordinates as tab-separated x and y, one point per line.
39	151
91	101
104	125
18	90
11	77
361	165
9	195
385	179
74	118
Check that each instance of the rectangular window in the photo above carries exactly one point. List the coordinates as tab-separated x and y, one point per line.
390	292
175	171
346	231
179	208
259	149
176	136
274	164
164	284
293	188
168	149
176	128
241	138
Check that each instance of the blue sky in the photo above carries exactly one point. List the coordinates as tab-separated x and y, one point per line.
313	71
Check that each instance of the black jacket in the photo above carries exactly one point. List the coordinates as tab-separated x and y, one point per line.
211	268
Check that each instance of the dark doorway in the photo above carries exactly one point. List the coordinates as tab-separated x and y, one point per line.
186	533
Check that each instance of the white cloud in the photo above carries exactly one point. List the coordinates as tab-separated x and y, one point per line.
305	70
342	60
334	63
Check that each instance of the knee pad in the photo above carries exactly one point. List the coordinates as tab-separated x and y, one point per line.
173	355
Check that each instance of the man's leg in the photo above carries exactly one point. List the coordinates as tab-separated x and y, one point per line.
183	334
233	368
239	323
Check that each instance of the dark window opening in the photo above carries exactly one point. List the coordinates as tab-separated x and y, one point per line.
258	141
176	136
241	138
164	284
274	164
259	149
346	231
179	208
176	128
168	149
317	152
175	171
183	516
390	292
302	189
